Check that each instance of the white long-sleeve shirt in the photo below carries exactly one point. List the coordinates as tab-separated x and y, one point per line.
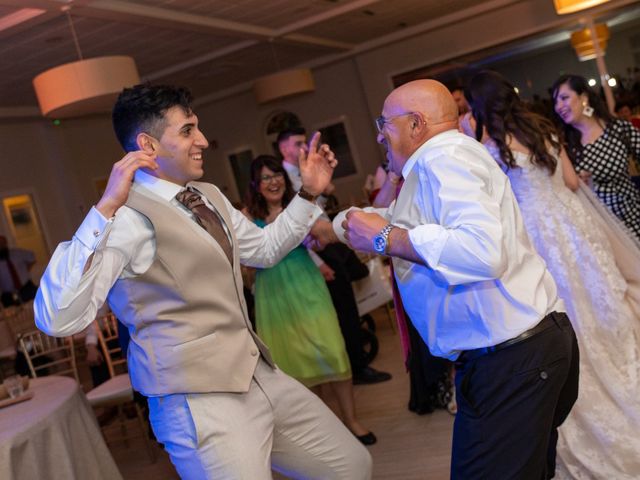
293	172
483	282
124	247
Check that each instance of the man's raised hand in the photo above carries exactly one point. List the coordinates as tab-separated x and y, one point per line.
316	166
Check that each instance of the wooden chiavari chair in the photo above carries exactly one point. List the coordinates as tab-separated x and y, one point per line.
116	391
47	355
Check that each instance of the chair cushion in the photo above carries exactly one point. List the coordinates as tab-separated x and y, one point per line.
112	392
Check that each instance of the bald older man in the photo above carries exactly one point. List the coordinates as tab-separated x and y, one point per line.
473	286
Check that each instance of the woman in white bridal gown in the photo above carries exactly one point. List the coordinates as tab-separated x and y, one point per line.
601	437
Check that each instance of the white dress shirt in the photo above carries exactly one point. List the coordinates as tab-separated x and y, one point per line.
293	172
124	247
483	282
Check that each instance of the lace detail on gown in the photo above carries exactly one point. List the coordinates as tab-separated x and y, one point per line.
600	439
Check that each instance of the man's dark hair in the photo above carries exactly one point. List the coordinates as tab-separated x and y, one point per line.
290	132
142	108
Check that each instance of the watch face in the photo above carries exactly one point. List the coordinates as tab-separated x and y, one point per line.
379	243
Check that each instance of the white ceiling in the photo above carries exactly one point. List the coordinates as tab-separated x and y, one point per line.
208	45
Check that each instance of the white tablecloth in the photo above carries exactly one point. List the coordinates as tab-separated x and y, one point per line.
53	436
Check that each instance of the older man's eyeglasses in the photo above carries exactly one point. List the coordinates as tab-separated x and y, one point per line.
381	121
266	179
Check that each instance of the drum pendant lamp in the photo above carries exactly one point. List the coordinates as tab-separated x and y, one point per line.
83	87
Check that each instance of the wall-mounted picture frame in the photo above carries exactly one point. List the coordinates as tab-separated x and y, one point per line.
240	161
336	133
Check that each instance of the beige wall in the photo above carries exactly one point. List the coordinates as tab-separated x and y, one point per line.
57	165
239	122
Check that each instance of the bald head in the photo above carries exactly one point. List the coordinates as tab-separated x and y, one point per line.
429	97
412	114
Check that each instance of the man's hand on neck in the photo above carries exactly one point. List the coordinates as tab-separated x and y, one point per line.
120	180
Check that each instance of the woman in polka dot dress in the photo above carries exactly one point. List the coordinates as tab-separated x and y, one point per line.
600	147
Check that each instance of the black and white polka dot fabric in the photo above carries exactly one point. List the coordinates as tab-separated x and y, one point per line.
608	161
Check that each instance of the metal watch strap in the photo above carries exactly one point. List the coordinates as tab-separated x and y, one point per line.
384	233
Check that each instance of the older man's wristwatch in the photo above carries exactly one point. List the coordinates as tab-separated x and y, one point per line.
381	241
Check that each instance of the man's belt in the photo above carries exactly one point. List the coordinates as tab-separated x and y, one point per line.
544	324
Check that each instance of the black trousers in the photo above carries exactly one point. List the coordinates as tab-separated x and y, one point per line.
341	260
510	404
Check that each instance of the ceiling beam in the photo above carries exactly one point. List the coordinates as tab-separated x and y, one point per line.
217	25
285	33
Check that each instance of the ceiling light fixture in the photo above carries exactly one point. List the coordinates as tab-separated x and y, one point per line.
86	86
283	83
572	6
583	44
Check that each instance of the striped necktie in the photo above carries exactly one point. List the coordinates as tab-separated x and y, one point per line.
207	219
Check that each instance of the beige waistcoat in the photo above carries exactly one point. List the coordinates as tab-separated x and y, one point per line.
190	332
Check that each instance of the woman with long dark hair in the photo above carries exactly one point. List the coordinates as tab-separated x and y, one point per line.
600	438
294	313
600	146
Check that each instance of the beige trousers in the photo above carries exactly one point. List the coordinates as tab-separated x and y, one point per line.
277	424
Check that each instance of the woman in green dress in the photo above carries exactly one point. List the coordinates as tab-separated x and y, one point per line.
293	309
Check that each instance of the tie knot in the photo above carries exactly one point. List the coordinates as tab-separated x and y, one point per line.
189	199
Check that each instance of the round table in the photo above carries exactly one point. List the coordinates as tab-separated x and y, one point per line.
54	435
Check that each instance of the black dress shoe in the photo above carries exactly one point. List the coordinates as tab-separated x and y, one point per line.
367	438
370	375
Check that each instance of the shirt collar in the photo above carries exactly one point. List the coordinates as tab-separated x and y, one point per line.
289	167
433	141
162	188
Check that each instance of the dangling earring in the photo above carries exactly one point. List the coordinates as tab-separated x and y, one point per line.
587	110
